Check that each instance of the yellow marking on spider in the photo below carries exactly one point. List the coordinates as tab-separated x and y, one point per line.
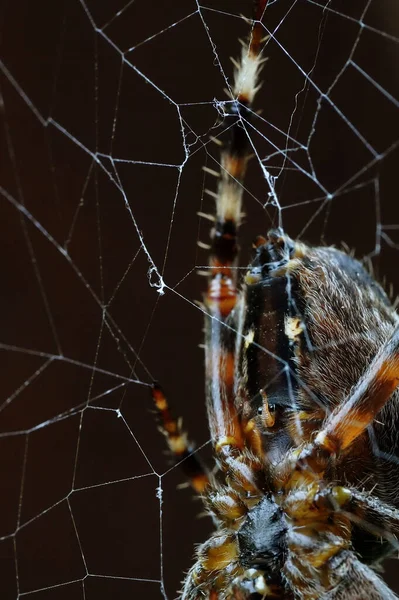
293	327
227	440
178	444
161	404
252	278
266	590
250	426
200	483
320	558
304	415
341	495
300	250
249	338
224	552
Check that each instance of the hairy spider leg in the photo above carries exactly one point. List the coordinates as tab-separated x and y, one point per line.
222	297
320	561
235	440
375	516
179	445
351	418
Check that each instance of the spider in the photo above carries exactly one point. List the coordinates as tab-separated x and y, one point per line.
299	361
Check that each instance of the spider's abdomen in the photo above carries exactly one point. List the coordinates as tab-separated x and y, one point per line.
314	321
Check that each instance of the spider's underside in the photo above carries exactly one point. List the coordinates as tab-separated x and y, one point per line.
299	362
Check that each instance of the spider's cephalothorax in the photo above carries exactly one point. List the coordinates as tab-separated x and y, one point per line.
299	361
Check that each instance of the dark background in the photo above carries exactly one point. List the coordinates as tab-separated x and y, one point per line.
91	144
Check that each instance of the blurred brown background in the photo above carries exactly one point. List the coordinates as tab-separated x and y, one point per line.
100	109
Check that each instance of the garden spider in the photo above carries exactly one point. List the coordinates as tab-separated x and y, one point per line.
299	362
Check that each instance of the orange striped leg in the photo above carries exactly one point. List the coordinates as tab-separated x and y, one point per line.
221	298
370	395
356	413
218	560
180	447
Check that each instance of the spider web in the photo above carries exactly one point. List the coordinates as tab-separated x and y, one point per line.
106	114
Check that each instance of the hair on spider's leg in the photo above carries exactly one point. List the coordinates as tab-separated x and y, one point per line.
322	519
375	517
218	559
352	417
181	449
355	581
321	562
221	298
